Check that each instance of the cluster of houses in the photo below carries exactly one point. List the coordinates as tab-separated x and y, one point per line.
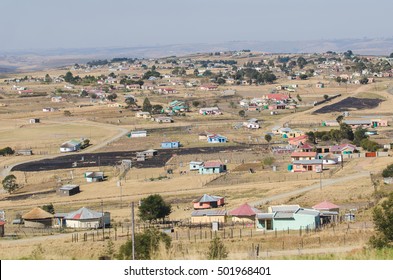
272	101
280	217
363	123
82	218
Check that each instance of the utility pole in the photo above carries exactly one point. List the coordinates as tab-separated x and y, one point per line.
132	230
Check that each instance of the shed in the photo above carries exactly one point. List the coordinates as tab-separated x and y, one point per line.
38	218
170	145
34	120
94	176
68	190
208	216
71	146
25	152
244	214
86	218
135	134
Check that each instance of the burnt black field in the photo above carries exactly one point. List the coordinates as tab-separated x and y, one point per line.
115	158
350	104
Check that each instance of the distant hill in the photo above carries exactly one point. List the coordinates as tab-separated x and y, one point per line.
41	59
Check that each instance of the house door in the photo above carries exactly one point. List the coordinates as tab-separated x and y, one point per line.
309	168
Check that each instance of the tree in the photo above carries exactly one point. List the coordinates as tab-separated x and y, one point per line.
9	183
147	107
156	109
69	78
242	113
388	171
359	135
6	151
111	97
383	221
47	78
391	55
196	103
153	208
67	113
346	131
340	118
301	62
363	81
311	136
325	96
146	244
268	138
49	208
217	250
84	93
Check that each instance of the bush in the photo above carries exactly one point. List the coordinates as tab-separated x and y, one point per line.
388	171
6	151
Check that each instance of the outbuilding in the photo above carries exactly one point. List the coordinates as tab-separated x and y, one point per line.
86	218
38	218
68	190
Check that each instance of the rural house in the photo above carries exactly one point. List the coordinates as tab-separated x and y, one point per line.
210	111
195	165
216	138
145	115
38	218
208	201
94	176
315	165
244	214
303	156
208	216
170	145
71	146
329	212
288	217
212	167
86	218
163	119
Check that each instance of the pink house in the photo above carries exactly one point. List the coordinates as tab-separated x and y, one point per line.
303	155
208	87
208	201
315	165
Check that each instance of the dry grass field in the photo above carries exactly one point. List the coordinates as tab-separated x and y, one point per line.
100	123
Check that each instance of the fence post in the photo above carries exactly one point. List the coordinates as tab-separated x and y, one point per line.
251	233
240	232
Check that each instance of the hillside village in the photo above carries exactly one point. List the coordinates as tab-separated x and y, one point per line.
278	151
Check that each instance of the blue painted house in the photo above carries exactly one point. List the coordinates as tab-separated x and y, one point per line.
212	167
216	138
170	145
288	217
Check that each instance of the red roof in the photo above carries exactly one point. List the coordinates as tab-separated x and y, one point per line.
212	164
244	210
278	96
325	205
306	147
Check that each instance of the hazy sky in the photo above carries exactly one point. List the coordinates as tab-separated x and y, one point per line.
51	24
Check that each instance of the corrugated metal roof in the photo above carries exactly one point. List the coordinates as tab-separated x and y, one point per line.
208	198
68	187
311	212
199	213
265	215
83	214
285	208
283	215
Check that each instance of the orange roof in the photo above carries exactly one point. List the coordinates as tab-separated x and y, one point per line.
304	154
244	210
